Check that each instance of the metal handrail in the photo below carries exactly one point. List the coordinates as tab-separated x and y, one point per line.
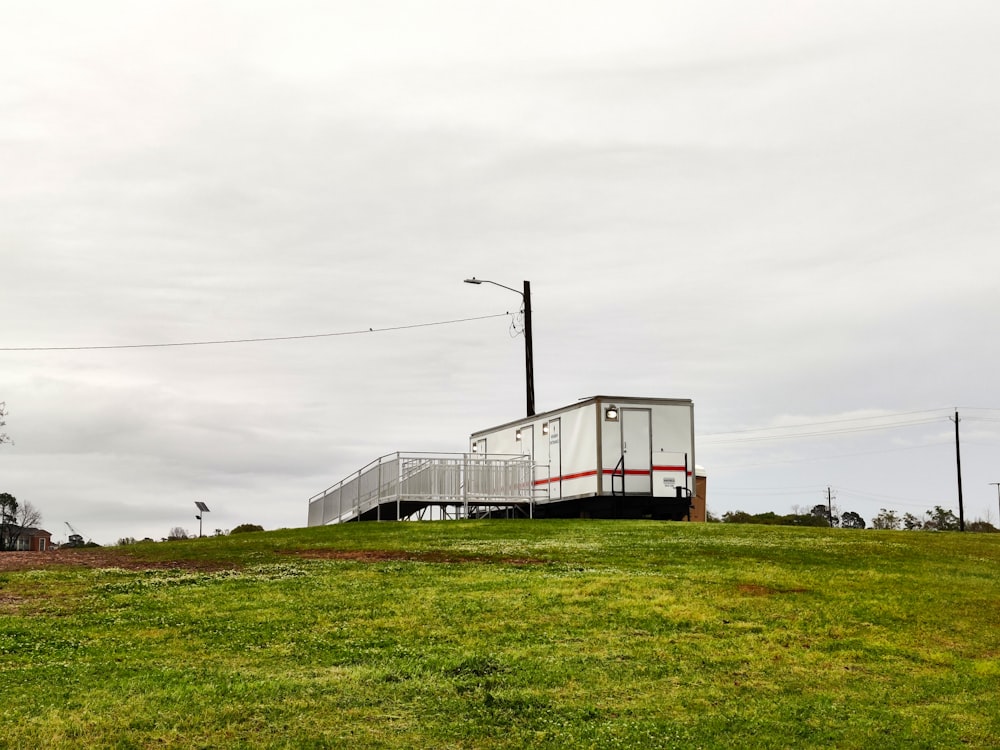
432	478
619	472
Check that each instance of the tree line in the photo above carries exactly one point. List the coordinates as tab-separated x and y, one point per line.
938	519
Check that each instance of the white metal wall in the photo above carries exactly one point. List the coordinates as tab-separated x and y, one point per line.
671	431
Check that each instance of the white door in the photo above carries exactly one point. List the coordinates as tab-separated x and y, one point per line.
528	449
637	447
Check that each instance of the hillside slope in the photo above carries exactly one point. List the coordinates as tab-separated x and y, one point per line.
510	634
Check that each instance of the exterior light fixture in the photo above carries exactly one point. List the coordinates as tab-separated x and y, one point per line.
545	428
611	413
475	447
517	435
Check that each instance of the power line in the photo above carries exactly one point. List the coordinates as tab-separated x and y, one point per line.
823	433
246	340
818	424
752	491
827	458
883	498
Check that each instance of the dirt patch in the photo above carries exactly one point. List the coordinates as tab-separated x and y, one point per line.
95	558
108	558
374	556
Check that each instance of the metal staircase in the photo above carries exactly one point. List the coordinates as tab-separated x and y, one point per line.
398	486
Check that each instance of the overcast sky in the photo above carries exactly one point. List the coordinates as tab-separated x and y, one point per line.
786	211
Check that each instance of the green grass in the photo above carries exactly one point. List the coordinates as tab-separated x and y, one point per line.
513	634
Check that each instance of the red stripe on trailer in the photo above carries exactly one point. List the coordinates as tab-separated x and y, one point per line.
611	472
580	475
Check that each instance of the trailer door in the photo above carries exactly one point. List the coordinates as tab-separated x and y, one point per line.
528	441
637	448
528	449
555	461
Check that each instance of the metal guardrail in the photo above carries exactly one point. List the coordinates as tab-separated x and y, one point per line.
459	479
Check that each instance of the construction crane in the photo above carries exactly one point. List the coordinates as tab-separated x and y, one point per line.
75	539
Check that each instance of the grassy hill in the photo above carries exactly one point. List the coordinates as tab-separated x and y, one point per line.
510	634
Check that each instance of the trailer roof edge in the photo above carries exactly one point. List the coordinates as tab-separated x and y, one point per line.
586	402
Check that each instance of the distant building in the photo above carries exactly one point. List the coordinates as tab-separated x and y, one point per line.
30	539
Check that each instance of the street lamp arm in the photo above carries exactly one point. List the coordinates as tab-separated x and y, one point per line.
529	357
474	280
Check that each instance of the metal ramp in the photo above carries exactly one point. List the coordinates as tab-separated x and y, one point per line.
400	486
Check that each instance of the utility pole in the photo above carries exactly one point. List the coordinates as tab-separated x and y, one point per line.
529	356
829	506
958	464
998	491
529	353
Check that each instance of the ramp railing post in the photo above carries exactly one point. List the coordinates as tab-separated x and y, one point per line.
378	493
465	486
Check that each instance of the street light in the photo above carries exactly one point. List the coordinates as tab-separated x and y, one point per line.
202	510
529	366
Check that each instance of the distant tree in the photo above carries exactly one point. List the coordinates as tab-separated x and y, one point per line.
177	533
912	522
126	540
243	528
981	526
8	519
4	437
805	519
823	511
29	517
941	519
770	518
14	519
886	519
851	520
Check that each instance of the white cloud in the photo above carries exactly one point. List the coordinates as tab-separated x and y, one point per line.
775	209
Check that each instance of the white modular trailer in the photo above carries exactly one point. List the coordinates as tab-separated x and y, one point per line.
605	457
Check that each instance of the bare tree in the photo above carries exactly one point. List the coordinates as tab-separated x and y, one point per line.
15	518
4	437
28	516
